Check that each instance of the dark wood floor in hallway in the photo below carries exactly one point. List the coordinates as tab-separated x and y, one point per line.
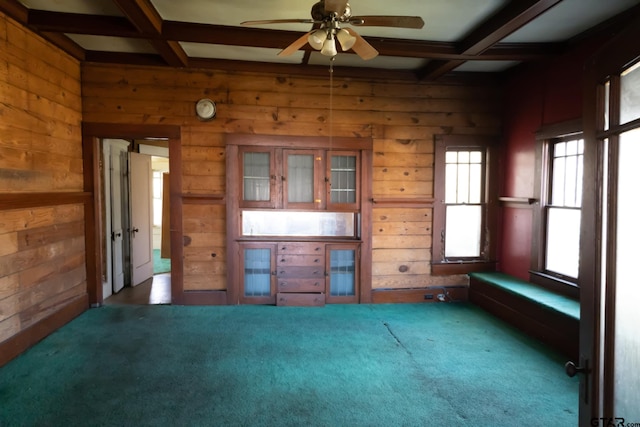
155	290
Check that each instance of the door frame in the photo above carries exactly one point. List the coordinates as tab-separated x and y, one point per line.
92	133
596	386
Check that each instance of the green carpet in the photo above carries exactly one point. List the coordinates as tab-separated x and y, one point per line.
339	365
160	265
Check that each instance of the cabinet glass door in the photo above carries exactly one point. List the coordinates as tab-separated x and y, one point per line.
258	178
343	182
343	277
258	262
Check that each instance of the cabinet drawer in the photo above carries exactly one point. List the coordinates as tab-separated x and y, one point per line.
300	272
300	248
301	285
309	300
287	260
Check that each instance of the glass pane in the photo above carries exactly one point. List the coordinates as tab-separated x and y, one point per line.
476	157
290	223
557	182
463	157
559	149
563	241
451	157
607	88
630	94
257	272
627	291
475	183
463	226
572	147
300	178
256	185
343	179
463	183
343	272
570	181
451	183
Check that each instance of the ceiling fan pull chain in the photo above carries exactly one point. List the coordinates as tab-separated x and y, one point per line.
333	58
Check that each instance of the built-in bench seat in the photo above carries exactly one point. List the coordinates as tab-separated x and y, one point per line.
539	312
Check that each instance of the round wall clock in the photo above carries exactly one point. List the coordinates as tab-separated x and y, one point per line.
205	109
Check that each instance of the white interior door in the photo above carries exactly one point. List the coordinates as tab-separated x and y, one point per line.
117	157
141	218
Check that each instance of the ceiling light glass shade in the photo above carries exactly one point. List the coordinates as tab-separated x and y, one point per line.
346	40
316	39
329	47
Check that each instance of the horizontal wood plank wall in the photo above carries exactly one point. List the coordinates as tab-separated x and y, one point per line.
401	118
42	202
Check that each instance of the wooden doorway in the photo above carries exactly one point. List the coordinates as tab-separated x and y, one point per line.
609	344
93	133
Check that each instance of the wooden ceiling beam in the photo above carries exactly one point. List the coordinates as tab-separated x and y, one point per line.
75	23
173	32
144	16
507	20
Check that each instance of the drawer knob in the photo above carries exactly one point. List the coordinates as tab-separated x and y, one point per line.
316	260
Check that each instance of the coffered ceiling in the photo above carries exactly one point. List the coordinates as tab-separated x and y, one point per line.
479	36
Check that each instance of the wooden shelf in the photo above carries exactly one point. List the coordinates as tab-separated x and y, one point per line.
518	200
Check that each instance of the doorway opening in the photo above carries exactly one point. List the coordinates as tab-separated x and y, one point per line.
135	214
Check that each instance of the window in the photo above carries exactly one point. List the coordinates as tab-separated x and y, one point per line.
555	250
462	225
562	246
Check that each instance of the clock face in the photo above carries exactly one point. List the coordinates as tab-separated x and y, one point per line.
206	109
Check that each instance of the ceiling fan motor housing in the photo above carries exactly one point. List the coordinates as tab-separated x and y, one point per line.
318	13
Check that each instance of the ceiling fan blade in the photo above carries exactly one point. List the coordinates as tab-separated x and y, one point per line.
279	21
387	21
362	47
337	6
295	45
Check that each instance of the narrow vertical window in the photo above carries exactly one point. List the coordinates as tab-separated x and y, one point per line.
562	245
463	203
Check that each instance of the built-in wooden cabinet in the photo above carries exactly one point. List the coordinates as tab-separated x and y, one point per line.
300	273
298	216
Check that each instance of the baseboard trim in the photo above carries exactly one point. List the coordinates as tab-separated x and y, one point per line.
23	340
203	298
386	296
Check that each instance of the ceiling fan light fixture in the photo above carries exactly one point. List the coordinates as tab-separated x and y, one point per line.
329	47
317	39
346	40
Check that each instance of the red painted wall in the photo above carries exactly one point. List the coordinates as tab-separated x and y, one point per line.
539	95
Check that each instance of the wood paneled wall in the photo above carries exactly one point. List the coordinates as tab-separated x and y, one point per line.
42	203
401	117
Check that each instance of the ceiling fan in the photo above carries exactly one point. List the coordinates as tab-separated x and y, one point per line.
329	15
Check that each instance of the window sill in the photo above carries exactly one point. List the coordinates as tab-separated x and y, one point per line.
556	284
461	267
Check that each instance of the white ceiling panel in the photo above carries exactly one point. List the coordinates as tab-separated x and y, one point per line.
112	44
240	53
486	66
567	19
